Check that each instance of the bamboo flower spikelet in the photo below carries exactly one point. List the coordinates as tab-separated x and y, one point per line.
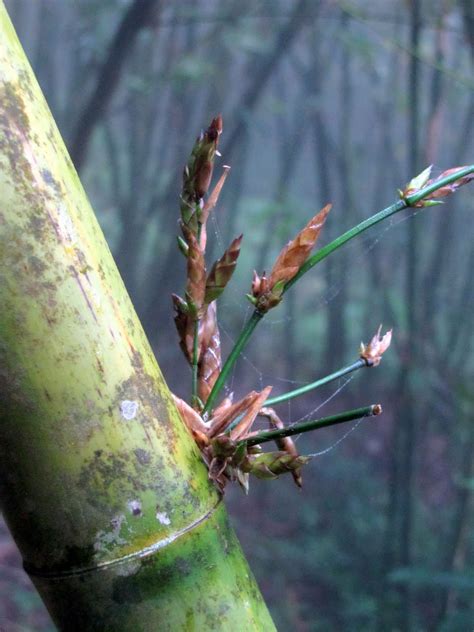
224	431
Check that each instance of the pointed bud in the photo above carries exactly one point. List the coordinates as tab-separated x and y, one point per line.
222	271
418	182
295	253
269	292
421	181
372	352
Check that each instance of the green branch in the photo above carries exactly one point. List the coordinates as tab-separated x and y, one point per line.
314	424
398	206
232	358
345	237
321	382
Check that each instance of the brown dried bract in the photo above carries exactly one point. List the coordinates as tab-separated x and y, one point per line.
224	417
196	274
193	422
209	365
244	425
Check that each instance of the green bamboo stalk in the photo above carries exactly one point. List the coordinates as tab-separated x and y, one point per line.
101	484
313	424
396	207
284	397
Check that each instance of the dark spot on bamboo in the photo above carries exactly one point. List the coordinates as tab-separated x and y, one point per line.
143	457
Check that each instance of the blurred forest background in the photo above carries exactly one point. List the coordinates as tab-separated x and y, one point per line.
322	101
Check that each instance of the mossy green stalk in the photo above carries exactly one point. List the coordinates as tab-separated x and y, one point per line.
101	484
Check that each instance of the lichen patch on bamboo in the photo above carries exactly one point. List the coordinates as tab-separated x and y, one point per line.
163	517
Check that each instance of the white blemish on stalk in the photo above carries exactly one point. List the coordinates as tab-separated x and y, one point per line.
128	409
65	224
162	517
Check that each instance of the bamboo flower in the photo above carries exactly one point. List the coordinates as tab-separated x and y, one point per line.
266	293
423	180
372	351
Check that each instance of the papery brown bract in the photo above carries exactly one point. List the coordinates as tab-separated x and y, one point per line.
196	274
223	418
209	364
252	411
192	421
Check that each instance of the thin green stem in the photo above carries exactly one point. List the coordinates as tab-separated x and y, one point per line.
315	424
345	237
232	358
321	382
404	203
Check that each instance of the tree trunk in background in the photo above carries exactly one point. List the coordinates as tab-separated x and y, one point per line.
460	524
405	428
138	15
101	485
283	41
336	336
